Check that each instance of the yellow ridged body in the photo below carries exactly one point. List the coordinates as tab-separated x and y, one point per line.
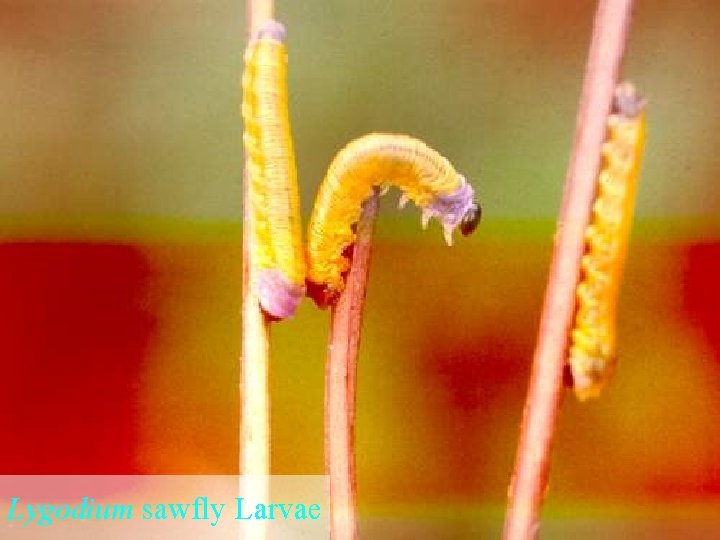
374	160
271	166
593	353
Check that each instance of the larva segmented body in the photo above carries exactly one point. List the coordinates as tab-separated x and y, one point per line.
373	161
593	356
277	256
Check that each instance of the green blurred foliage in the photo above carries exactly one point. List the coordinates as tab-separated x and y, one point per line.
131	109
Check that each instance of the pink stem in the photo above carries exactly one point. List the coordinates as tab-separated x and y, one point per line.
340	380
545	391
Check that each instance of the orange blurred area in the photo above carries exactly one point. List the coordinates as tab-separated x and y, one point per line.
123	359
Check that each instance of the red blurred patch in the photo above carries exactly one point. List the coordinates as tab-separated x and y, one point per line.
73	334
474	380
702	301
702	290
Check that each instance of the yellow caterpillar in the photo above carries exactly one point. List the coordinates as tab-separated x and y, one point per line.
593	353
277	256
379	160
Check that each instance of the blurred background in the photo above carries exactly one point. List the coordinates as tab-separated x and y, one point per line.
120	259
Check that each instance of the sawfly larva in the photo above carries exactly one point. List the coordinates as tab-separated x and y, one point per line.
593	347
277	260
373	161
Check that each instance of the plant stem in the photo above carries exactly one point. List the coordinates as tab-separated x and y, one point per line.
545	390
254	368
340	382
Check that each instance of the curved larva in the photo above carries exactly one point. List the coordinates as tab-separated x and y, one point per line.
593	353
277	256
379	160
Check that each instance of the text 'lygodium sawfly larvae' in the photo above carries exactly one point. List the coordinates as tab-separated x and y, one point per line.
380	160
276	253
593	347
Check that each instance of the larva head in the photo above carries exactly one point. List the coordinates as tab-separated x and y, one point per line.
626	101
457	209
471	219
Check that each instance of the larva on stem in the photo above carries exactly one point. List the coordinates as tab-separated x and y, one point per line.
593	353
380	160
277	255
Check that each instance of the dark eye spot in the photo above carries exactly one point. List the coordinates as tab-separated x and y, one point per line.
471	219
